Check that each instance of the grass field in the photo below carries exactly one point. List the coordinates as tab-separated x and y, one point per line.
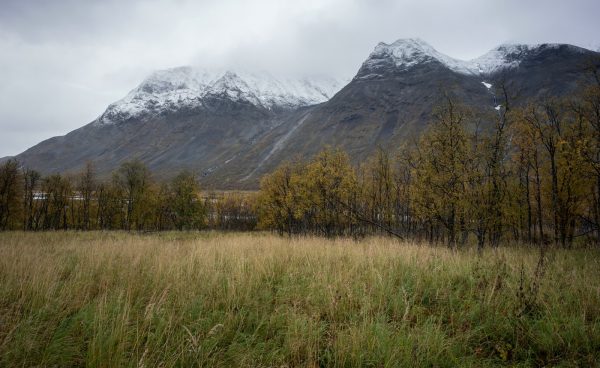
223	300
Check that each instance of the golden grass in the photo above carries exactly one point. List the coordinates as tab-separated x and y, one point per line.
214	299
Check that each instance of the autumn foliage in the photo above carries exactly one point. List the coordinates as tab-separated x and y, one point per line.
525	172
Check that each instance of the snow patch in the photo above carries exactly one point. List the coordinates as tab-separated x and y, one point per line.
407	53
487	85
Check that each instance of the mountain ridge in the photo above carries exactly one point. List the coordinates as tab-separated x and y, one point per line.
408	52
187	87
233	127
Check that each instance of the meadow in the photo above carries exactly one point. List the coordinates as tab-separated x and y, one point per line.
212	299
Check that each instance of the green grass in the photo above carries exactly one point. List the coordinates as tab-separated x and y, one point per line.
222	300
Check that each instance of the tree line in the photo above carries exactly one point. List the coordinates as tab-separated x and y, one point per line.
130	201
531	176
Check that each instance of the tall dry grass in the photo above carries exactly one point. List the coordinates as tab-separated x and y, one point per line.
210	299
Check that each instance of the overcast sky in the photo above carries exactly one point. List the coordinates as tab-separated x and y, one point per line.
63	61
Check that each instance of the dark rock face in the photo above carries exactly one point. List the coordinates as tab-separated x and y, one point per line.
207	141
550	70
231	143
385	106
386	110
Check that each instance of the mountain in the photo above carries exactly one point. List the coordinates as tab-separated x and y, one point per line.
391	98
186	88
232	127
185	118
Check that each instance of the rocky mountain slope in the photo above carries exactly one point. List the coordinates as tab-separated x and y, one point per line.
391	98
185	118
232	127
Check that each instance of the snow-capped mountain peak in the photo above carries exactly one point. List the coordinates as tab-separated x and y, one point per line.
187	87
412	51
232	86
404	54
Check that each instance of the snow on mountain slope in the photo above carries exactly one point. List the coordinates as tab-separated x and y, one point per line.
186	87
406	53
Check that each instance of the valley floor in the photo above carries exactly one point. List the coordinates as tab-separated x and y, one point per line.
214	299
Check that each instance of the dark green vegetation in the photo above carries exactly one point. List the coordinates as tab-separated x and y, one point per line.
258	300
